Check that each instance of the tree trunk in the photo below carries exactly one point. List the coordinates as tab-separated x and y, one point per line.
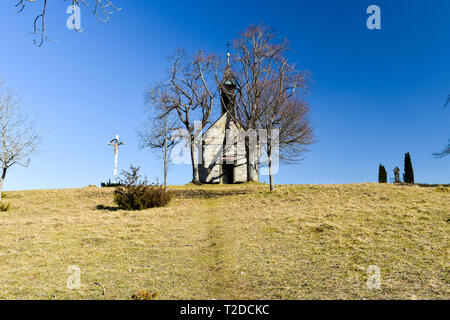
247	156
195	174
165	152
252	172
165	169
252	162
2	179
269	154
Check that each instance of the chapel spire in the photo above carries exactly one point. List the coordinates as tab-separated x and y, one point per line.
228	54
228	90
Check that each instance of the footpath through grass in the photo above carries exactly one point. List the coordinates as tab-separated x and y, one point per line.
230	242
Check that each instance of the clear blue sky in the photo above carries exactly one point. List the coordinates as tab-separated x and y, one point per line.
376	95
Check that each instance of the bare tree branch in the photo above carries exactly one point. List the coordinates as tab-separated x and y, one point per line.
444	152
103	9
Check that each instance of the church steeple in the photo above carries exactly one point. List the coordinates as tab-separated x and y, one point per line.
228	90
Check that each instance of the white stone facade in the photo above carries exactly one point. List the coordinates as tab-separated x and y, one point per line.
223	158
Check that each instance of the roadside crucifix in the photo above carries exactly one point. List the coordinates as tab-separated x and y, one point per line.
116	143
397	175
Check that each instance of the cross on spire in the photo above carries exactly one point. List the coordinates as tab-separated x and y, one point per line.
228	45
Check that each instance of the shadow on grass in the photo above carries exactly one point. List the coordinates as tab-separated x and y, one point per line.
424	185
207	194
106	208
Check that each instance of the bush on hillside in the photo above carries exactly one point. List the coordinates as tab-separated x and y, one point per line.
110	184
136	194
144	295
4	206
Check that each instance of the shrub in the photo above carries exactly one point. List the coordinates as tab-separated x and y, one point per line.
4	206
144	295
443	189
110	184
141	197
382	174
5	195
136	194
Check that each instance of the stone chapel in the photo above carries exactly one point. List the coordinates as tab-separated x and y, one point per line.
223	154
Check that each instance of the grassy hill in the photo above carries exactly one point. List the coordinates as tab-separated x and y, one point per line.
230	242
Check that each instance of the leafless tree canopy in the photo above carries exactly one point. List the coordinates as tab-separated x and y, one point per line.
295	130
154	131
189	92
269	91
259	63
102	9
287	115
159	132
19	139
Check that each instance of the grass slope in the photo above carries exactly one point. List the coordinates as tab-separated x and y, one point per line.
230	242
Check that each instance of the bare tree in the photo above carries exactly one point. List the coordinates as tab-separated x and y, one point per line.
159	133
259	65
189	93
19	139
289	132
102	9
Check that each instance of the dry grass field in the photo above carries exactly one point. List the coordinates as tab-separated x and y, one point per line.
230	242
